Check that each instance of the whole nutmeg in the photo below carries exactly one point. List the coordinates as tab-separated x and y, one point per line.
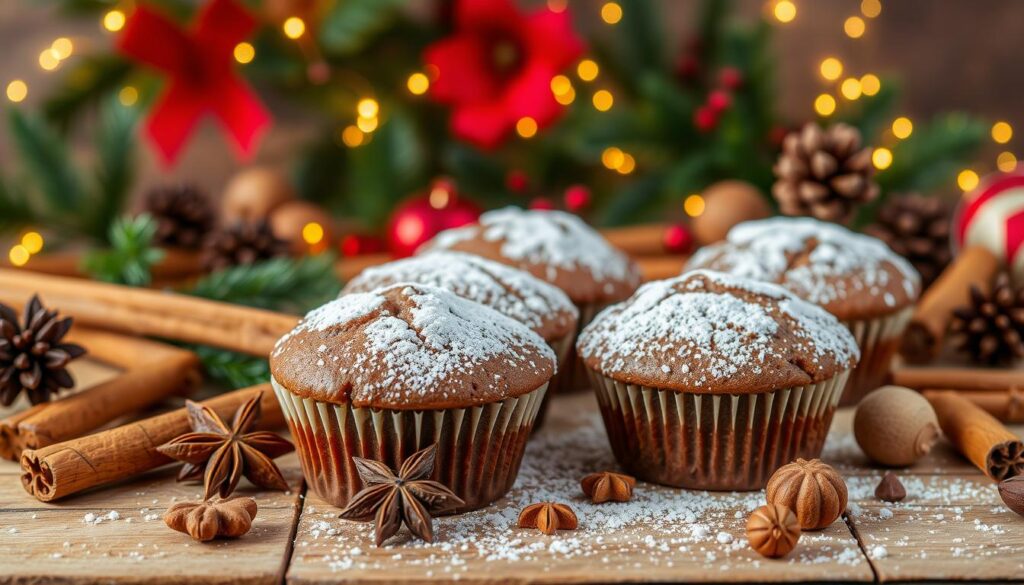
1012	492
773	530
253	193
895	426
291	221
814	491
727	203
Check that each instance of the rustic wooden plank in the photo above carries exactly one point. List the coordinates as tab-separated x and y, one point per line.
662	535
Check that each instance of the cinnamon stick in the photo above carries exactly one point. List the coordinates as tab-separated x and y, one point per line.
63	469
175	264
957	378
1005	405
660	267
638	240
153	372
151	313
974	266
978	435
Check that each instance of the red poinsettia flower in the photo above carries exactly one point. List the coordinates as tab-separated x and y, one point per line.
497	67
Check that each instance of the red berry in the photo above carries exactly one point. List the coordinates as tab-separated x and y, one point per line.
516	181
677	239
542	204
705	118
730	78
719	100
577	198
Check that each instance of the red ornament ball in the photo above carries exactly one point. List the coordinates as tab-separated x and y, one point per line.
719	100
677	239
542	204
516	181
577	198
419	219
705	118
730	78
360	244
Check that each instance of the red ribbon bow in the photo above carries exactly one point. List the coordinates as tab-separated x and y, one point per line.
199	63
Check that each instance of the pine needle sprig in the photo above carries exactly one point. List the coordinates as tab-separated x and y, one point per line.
131	257
279	284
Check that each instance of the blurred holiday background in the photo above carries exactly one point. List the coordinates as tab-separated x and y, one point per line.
238	149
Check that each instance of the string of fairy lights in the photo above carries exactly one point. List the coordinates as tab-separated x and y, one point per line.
564	88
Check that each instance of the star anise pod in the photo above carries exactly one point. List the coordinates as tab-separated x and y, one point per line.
221	455
548	517
608	486
407	497
241	243
991	328
32	358
205	521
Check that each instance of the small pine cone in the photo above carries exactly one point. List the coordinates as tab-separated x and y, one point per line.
183	214
991	329
241	243
824	173
917	228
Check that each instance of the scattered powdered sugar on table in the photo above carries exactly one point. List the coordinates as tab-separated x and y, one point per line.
555	238
512	292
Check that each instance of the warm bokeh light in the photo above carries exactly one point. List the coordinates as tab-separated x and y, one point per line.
902	127
850	88
628	164
48	60
418	83
871	8
128	96
367	108
18	255
566	98
17	90
587	70
870	84
62	48
244	53
352	136
1006	162
526	127
881	158
612	157
440	196
611	13
603	100
558	5
831	68
693	205
560	84
33	242
312	233
367	125
1002	132
967	180
294	27
784	11
824	105
114	20
854	27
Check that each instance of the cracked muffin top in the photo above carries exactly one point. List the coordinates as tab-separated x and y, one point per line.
514	293
714	333
852	276
554	246
410	347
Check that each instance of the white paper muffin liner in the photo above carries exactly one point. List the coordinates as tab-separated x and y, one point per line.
879	341
479	448
714	441
572	374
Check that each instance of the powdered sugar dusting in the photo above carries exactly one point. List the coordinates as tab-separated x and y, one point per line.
514	293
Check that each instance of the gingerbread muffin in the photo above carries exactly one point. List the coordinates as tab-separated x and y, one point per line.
711	381
857	278
557	247
383	374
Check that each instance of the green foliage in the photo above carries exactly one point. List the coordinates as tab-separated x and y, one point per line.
350	24
131	258
115	169
46	159
280	284
88	81
232	369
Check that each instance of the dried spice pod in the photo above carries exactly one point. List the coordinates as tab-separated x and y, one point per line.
205	521
184	215
1012	492
608	486
814	491
548	517
33	355
890	489
895	426
773	530
990	328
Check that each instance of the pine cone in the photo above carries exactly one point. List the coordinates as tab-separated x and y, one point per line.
32	358
990	330
824	173
917	228
183	213
241	243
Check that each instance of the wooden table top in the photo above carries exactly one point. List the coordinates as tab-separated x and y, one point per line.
952	526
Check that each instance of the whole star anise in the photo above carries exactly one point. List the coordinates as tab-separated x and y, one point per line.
548	517
406	498
608	486
205	521
223	454
32	358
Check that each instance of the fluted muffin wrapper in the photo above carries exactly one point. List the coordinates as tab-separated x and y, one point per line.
714	441
572	374
564	351
879	341
479	447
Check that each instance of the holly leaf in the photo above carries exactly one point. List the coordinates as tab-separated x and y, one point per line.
350	25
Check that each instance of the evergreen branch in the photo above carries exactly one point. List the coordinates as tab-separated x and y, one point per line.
350	25
48	163
232	369
132	256
14	210
280	284
116	166
87	83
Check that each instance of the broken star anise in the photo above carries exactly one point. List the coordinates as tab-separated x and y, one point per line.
223	454
608	486
548	517
406	498
205	521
